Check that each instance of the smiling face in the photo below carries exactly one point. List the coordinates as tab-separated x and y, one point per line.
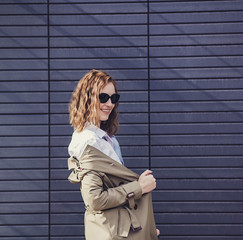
106	108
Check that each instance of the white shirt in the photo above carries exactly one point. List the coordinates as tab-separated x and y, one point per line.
97	138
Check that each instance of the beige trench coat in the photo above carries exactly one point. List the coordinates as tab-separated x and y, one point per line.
115	206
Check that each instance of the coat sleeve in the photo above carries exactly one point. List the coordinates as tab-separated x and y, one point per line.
98	198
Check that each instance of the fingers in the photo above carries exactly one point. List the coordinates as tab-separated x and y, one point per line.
147	172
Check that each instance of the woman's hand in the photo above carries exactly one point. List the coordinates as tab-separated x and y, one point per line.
158	232
147	181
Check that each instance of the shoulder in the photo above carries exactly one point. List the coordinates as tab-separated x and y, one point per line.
84	136
80	140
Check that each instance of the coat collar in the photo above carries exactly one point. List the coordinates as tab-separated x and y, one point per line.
94	160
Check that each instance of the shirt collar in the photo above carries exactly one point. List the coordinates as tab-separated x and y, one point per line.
100	133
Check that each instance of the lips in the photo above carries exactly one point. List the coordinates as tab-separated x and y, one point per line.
106	111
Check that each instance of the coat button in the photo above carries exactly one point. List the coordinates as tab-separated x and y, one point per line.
135	206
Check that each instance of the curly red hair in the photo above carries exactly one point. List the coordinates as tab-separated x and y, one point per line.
84	105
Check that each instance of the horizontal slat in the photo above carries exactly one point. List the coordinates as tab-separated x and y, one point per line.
228	150
23	9
24	196
98	30
60	185
178	73
191	107
195	17
193	40
91	1
23	108
135	74
196	84
219	237
23	208
73	230
206	117
196	218
7	31
202	184
24	75
78	237
65	196
15	119
196	139
24	219
193	95
197	207
24	1
204	230
27	141
198	173
98	8
99	19
18	231
24	185
23	20
100	42
23	97
191	62
33	174
66	219
18	163
23	53
23	64
196	195
22	42
196	51
98	52
23	87
24	152
99	63
65	207
206	128
184	6
23	130
205	161
196	28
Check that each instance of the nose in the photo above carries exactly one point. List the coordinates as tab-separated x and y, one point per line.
109	103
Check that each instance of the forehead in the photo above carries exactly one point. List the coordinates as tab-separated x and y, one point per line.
109	88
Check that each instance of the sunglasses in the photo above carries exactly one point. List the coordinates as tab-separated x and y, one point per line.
104	97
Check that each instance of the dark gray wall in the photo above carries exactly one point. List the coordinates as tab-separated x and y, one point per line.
179	69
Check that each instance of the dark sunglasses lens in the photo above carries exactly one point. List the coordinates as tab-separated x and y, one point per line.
115	98
104	97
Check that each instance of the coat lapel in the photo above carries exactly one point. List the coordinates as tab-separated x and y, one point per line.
94	159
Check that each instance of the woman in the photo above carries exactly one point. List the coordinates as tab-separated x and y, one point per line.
118	201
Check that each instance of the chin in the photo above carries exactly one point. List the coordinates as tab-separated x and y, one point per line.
104	119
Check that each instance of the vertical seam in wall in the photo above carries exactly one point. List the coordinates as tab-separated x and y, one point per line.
49	122
148	59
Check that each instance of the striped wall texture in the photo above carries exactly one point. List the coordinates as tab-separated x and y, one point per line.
179	69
